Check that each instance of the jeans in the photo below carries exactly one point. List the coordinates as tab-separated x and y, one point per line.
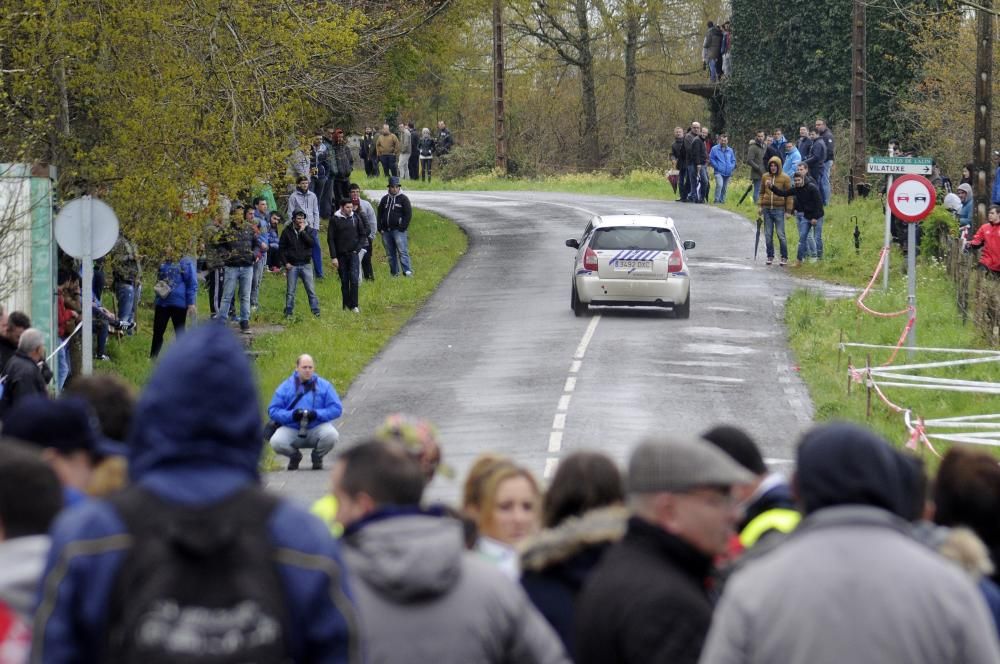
366	265
756	190
176	315
713	70
244	275
347	268
825	184
425	168
703	182
682	183
321	438
317	254
62	361
125	294
388	162
294	273
213	280
694	184
258	272
775	219
396	242
721	186
322	188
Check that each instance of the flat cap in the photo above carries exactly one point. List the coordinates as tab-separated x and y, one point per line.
678	464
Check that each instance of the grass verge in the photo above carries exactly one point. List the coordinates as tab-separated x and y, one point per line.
341	342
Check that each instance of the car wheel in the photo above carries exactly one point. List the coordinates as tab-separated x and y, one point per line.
579	308
684	310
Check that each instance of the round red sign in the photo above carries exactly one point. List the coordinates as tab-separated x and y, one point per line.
911	198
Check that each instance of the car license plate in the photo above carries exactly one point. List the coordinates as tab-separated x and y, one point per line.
633	266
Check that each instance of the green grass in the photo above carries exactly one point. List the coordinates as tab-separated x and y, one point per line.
341	342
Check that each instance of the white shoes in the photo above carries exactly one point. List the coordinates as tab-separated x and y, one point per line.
356	310
408	273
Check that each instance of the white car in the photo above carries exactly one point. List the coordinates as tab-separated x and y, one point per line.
631	260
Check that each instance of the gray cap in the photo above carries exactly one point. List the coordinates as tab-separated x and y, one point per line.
677	464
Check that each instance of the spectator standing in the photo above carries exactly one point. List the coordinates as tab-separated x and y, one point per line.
341	165
723	160
779	140
773	208
727	47
965	211
368	153
319	172
805	142
215	251
706	182
815	157
679	160
405	145
305	406
296	247
367	213
823	131
387	147
346	236
274	261
68	314
445	141
792	159
857	495
694	152
176	295
194	452
808	201
755	159
23	376
394	215
421	596
967	172
646	600
772	150
305	200
426	149
414	165
583	514
257	218
126	273
712	51
241	242
10	334
988	239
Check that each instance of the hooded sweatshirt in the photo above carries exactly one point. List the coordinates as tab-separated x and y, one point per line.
196	440
791	162
768	199
423	598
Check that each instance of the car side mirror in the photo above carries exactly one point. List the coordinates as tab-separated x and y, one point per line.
573	243
689	244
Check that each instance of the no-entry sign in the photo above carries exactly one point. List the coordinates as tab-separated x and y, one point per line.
911	198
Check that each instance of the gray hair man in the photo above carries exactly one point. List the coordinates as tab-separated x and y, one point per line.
646	601
23	376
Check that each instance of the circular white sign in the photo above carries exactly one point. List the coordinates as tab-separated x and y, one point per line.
912	198
70	227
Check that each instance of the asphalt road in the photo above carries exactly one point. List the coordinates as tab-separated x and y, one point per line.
500	363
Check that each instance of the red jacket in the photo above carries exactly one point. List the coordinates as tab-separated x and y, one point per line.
988	237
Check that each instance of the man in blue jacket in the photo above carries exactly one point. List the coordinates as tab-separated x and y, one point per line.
723	161
195	442
305	406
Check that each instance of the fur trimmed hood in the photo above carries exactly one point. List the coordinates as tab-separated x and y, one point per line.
556	545
960	545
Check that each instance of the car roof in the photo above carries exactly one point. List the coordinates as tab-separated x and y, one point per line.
632	220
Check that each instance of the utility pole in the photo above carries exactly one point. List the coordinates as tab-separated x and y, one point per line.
499	129
858	68
982	149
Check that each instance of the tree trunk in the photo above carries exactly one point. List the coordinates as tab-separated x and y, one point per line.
632	30
590	144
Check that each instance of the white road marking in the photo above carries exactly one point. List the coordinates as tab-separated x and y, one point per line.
581	350
708	379
550	467
575	367
570	384
773	461
564	402
559	421
555	441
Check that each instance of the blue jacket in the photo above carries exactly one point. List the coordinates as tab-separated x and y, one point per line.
995	198
272	239
320	397
965	214
723	160
816	158
196	439
182	277
792	160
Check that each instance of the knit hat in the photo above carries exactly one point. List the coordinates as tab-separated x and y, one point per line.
679	464
738	445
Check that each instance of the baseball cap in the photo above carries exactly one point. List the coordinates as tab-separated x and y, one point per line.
393	181
66	425
678	464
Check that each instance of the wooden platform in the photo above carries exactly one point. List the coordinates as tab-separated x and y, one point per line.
706	90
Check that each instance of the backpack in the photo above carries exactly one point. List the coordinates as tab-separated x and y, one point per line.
199	584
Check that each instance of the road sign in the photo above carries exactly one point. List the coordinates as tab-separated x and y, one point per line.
911	198
86	221
899	165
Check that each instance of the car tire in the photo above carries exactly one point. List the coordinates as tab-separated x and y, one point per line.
684	310
579	308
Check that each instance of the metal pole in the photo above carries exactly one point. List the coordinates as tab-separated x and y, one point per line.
911	280
87	290
888	229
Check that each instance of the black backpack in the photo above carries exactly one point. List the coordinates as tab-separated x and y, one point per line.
199	585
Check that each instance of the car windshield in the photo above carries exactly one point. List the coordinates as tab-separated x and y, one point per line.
633	237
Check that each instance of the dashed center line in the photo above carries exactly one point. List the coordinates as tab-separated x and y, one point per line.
559	420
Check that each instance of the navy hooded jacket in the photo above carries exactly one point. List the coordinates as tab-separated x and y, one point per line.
196	439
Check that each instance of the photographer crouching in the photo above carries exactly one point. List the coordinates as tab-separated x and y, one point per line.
302	412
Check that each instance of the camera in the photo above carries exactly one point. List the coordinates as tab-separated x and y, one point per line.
304	424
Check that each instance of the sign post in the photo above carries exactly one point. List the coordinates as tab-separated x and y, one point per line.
87	228
892	166
911	198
